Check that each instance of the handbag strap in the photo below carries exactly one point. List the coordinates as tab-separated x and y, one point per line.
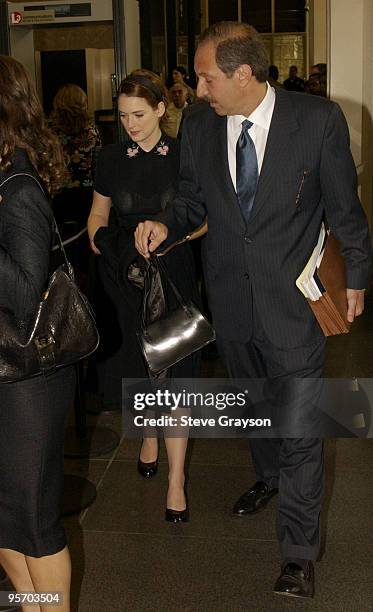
55	226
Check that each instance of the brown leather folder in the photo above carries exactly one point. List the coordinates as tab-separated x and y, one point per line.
330	309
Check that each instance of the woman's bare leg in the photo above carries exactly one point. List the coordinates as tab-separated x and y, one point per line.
149	450
52	573
176	449
14	563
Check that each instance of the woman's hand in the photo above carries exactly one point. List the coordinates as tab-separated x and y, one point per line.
92	244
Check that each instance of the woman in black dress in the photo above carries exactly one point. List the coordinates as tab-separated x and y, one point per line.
33	548
135	181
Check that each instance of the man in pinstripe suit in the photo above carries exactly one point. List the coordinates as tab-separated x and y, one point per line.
264	325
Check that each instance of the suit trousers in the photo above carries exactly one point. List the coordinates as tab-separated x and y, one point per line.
293	465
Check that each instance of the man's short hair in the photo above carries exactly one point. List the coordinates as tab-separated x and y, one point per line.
237	44
179	84
321	67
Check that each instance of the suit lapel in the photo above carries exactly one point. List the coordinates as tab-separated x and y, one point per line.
278	144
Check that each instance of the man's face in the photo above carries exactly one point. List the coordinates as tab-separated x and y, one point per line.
223	93
293	72
314	70
177	76
314	84
179	95
317	85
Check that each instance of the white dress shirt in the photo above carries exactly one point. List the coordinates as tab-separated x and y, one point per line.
261	119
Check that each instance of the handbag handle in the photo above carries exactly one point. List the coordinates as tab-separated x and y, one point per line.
157	261
166	275
186	238
70	269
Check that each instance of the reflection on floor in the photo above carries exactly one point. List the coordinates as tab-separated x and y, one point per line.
127	558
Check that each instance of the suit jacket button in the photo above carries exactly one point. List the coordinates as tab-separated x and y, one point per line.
246	275
247	239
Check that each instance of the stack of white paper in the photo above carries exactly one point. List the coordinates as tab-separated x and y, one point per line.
306	280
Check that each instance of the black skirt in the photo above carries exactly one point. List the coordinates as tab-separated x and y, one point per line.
32	424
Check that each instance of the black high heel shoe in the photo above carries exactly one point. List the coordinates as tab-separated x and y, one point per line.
177	516
147	469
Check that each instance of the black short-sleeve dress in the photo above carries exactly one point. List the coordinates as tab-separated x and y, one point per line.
140	184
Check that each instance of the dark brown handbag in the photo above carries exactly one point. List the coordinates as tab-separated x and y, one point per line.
174	336
62	332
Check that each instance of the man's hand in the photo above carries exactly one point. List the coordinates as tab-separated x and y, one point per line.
148	236
355	303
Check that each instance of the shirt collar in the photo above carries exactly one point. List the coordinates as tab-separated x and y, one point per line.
262	115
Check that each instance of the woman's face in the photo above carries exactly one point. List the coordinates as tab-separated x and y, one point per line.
139	119
177	76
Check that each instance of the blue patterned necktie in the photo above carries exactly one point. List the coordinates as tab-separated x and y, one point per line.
246	170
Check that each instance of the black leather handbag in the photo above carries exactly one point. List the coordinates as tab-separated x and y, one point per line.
62	332
174	336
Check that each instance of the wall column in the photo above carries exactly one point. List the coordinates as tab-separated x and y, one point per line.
318	31
350	71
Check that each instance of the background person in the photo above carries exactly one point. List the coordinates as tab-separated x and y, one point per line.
174	114
81	143
316	84
33	548
294	82
273	75
179	75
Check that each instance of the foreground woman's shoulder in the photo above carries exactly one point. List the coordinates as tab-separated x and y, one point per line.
21	187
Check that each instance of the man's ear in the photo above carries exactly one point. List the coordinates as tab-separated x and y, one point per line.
244	74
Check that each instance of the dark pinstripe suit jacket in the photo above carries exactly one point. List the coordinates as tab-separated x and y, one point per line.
307	173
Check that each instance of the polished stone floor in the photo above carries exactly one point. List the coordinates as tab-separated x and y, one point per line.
127	558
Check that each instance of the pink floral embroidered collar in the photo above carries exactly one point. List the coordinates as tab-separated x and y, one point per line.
133	150
161	148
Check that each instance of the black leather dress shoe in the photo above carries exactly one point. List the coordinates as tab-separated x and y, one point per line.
295	581
177	516
147	470
254	500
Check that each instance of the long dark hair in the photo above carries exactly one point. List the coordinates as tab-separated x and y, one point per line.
22	124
